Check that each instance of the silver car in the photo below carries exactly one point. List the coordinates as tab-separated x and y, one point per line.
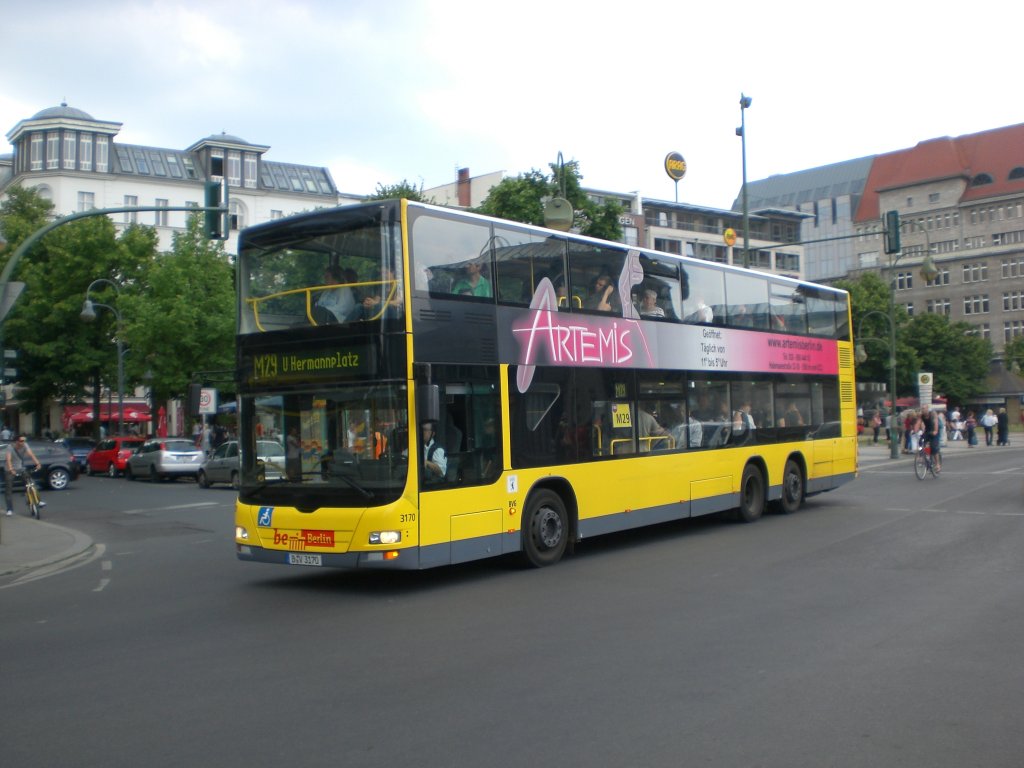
223	466
163	458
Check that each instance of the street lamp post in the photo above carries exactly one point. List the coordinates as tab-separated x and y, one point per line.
742	133
928	272
88	315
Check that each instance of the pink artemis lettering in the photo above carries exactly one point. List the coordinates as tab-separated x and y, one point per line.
580	341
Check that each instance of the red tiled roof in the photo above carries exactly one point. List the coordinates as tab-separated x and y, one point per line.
995	152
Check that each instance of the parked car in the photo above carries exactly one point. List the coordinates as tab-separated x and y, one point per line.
58	468
110	455
79	447
223	466
164	457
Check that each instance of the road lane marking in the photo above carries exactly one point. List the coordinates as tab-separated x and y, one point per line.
103	583
176	506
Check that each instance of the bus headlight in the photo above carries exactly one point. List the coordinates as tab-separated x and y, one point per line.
241	533
385	537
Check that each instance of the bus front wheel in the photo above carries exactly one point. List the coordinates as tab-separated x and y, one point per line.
545	529
751	495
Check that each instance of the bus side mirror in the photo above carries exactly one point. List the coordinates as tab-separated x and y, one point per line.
428	402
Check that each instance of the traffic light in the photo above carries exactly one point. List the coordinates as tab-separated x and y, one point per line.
892	232
195	391
215	222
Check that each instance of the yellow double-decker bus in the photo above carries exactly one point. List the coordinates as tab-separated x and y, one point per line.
448	387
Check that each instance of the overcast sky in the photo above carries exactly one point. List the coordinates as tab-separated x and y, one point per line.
394	89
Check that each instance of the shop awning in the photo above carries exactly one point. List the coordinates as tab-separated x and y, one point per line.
82	414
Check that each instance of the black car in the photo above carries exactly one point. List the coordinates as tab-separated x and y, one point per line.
79	447
58	468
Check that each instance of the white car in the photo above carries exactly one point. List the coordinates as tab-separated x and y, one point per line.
223	466
165	457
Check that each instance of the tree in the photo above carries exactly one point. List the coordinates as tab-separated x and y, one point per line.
522	198
957	357
404	188
184	319
1013	353
869	307
59	356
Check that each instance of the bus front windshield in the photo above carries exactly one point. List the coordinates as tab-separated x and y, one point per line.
333	446
342	268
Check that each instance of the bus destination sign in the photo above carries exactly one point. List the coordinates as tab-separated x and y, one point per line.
310	364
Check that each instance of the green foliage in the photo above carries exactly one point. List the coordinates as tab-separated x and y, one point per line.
869	307
958	358
404	188
1013	353
184	319
59	355
521	198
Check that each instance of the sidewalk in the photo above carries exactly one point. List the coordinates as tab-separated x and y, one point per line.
26	544
872	453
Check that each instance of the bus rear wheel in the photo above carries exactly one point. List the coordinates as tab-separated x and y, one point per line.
792	489
545	529
751	495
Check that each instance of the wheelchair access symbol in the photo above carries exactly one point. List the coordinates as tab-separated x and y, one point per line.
265	516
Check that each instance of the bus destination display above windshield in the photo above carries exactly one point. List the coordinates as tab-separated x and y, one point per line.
304	365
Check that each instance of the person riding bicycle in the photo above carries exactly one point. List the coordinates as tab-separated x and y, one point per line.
928	423
17	454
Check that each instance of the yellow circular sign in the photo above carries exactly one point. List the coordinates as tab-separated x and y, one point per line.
729	236
675	166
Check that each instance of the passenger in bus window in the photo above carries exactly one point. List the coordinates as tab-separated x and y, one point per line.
742	421
602	294
792	417
337	303
473	283
649	430
649	304
704	313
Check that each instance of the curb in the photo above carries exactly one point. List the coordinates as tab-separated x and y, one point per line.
80	543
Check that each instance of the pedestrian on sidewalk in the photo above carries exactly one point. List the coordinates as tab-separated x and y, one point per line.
970	424
988	421
1003	427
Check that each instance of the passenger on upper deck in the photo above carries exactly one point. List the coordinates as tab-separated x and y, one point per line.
602	295
339	302
649	304
474	283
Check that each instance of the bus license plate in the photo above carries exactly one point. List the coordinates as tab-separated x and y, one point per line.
296	558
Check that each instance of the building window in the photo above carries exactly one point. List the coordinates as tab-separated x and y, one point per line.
904	281
237	215
52	150
941	278
102	154
1012	328
131	201
909	308
161	216
86	201
938	306
250	170
85	152
975	273
36	152
789	262
235	168
976	305
1013	300
70	145
933	197
1013	267
275	215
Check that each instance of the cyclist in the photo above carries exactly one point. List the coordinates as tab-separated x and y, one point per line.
928	424
17	454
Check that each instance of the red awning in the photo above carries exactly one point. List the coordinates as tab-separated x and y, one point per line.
82	414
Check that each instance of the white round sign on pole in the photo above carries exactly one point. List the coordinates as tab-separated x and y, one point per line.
207	400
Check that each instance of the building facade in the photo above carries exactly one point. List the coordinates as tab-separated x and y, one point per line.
76	162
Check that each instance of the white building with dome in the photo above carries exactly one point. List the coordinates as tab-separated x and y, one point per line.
76	162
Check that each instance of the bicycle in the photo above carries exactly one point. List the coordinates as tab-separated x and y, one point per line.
924	462
35	504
